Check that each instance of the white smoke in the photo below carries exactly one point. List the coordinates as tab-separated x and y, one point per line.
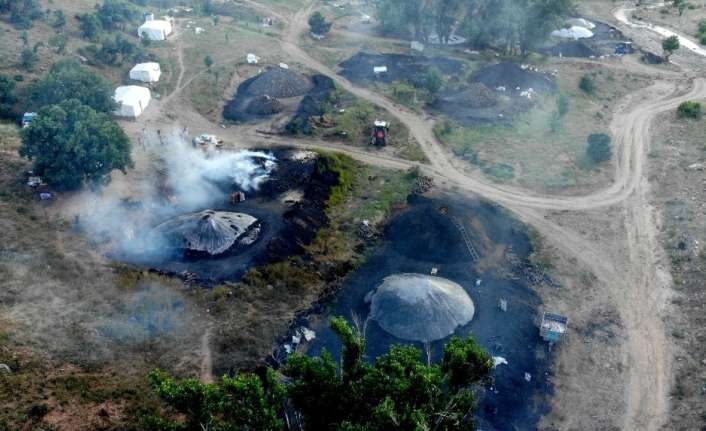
171	177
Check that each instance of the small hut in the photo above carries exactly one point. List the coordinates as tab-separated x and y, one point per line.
553	327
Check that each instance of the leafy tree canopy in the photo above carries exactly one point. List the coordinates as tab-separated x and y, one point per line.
8	97
71	143
669	45
68	79
397	392
318	24
599	148
22	12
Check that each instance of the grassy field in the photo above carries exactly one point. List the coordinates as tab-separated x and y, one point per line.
519	153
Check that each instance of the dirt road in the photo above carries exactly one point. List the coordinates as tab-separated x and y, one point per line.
638	286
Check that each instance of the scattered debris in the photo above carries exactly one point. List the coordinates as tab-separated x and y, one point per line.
434	271
528	377
4	368
422	185
27	118
502	305
34	181
252	58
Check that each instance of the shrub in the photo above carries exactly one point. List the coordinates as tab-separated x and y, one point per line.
599	148
318	24
7	95
587	84
690	109
28	59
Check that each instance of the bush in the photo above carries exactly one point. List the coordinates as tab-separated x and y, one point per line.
28	59
690	109
433	81
587	84
7	96
318	24
599	148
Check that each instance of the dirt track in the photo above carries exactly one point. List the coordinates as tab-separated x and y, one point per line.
637	285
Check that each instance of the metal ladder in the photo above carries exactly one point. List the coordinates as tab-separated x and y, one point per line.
466	239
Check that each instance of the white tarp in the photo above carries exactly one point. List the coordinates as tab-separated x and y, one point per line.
575	32
581	22
132	100
146	72
155	30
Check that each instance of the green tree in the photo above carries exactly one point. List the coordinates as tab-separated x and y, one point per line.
690	109
68	79
398	391
58	42
318	24
90	26
599	148
59	19
208	61
70	144
445	16
587	84
22	12
8	97
114	14
247	402
669	45
28	59
433	81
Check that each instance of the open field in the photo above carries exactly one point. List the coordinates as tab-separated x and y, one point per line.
677	162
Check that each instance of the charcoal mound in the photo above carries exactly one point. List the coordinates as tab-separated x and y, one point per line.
420	307
277	82
211	232
512	76
313	105
575	49
400	67
263	106
476	96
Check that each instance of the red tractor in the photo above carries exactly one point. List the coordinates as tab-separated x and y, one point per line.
379	136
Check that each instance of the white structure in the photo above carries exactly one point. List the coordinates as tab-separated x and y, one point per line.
252	58
132	100
575	32
146	72
581	22
379	69
154	29
284	66
417	46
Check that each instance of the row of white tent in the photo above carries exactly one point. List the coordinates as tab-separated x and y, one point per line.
132	100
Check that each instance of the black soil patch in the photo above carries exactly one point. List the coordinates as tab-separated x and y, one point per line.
285	228
513	78
257	97
314	104
424	237
576	49
400	67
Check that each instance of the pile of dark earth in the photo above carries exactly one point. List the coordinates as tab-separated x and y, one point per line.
493	95
314	104
604	42
258	96
286	227
400	67
513	77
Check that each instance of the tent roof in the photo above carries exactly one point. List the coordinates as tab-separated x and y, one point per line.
213	232
157	24
147	67
131	94
420	307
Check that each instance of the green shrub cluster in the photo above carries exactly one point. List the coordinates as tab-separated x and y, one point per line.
690	109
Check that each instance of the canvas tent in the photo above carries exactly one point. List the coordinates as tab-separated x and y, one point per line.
146	72
154	29
132	100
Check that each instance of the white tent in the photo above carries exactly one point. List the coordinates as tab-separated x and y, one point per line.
132	100
146	72
574	32
155	30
